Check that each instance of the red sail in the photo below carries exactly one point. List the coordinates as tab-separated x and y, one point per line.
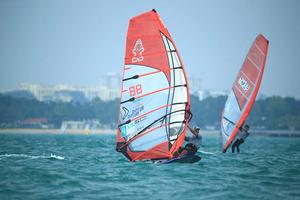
155	99
244	90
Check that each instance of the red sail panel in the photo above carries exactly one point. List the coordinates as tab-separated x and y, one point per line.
144	33
155	101
244	90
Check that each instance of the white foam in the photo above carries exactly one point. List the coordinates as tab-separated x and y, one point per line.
206	152
52	156
57	157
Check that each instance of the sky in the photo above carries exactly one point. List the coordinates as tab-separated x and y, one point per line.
79	42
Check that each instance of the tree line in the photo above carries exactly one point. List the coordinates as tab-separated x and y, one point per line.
272	113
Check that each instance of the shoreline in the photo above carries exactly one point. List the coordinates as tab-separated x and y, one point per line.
56	131
274	133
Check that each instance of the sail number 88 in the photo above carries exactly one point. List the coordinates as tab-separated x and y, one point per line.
135	90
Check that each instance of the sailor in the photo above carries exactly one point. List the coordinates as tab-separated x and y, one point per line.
243	134
195	138
193	141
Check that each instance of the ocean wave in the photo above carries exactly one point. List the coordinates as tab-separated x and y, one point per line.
52	156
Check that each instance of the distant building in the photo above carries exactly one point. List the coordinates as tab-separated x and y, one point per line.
67	93
195	84
203	94
85	125
196	89
113	80
34	123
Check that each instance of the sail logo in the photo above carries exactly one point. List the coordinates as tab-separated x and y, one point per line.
136	111
128	129
125	112
243	83
137	51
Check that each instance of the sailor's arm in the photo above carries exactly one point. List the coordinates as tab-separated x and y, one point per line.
186	138
193	131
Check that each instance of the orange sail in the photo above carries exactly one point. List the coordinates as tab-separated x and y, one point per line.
244	91
155	100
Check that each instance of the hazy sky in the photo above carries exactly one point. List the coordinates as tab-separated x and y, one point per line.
78	42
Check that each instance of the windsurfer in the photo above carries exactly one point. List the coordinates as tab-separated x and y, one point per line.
243	134
196	138
193	143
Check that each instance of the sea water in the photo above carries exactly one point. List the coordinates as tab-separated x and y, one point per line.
45	166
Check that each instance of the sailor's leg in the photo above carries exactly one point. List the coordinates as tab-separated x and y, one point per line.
233	146
241	141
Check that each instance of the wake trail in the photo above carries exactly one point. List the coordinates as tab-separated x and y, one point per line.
206	152
52	156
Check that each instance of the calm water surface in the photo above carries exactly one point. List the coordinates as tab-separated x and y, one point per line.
43	166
